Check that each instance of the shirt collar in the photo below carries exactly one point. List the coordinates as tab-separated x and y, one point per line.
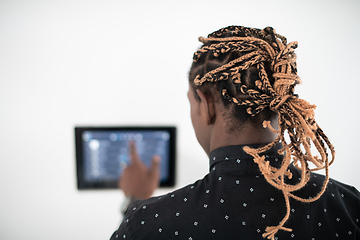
234	158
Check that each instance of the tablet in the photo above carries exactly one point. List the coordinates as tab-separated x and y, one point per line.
102	153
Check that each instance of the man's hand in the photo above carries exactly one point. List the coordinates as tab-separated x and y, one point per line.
139	181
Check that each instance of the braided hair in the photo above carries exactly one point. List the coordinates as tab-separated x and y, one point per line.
255	71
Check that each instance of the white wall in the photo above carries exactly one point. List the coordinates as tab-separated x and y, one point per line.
67	63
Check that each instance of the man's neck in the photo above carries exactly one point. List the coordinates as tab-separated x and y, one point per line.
221	136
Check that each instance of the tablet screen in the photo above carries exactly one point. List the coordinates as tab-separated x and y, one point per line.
103	153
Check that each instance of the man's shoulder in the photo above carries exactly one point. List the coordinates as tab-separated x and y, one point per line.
171	199
158	215
334	186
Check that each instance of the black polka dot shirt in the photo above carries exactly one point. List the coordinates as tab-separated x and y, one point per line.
234	201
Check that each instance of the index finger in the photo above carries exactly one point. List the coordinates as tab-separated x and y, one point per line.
134	157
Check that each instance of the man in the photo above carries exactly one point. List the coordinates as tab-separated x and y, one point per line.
257	133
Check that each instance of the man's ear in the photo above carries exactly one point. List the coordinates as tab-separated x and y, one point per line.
208	106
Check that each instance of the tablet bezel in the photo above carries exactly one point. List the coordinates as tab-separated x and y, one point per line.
84	185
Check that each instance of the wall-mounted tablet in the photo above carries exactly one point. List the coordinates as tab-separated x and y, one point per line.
102	153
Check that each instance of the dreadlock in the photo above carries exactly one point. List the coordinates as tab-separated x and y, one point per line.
256	71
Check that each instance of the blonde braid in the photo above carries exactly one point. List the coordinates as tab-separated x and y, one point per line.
295	116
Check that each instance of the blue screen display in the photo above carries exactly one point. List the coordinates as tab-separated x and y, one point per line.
107	153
